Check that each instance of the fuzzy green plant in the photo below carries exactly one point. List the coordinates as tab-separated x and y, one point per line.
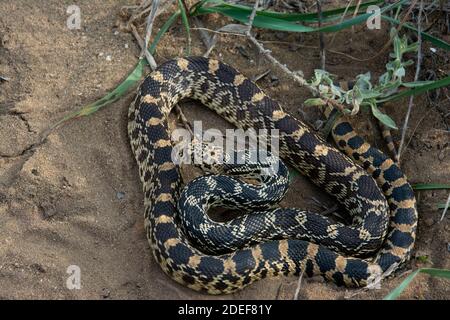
365	93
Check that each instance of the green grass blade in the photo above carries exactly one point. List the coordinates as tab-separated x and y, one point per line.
128	83
163	30
111	97
384	118
292	174
441	205
437	42
430	186
418	89
416	83
274	23
185	20
394	294
402	286
327	15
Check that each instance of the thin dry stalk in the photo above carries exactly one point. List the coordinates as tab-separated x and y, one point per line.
321	38
445	209
252	17
299	285
342	19
416	77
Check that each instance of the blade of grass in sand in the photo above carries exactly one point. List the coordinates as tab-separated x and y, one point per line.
394	294
430	186
128	83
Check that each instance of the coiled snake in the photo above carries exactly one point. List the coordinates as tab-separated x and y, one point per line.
242	103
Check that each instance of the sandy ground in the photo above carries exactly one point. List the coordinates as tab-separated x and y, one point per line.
76	198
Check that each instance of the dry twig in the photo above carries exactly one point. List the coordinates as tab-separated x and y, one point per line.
252	17
416	77
447	204
321	38
299	284
150	19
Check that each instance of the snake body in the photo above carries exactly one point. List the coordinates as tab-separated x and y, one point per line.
229	190
242	103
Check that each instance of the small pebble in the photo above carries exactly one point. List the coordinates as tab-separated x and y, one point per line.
448	246
101	54
116	33
108	58
126	46
120	195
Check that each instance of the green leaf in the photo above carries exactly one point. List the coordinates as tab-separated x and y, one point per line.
430	186
400	72
416	83
418	89
384	118
397	48
292	174
423	259
314	102
394	294
437	42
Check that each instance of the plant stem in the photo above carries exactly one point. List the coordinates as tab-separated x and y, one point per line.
416	77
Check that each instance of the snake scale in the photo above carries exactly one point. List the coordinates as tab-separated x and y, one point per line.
378	189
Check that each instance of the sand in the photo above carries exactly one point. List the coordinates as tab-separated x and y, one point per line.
76	199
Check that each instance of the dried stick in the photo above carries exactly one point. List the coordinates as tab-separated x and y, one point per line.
269	57
342	19
299	285
151	18
358	4
278	42
208	41
416	77
300	80
252	17
321	40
